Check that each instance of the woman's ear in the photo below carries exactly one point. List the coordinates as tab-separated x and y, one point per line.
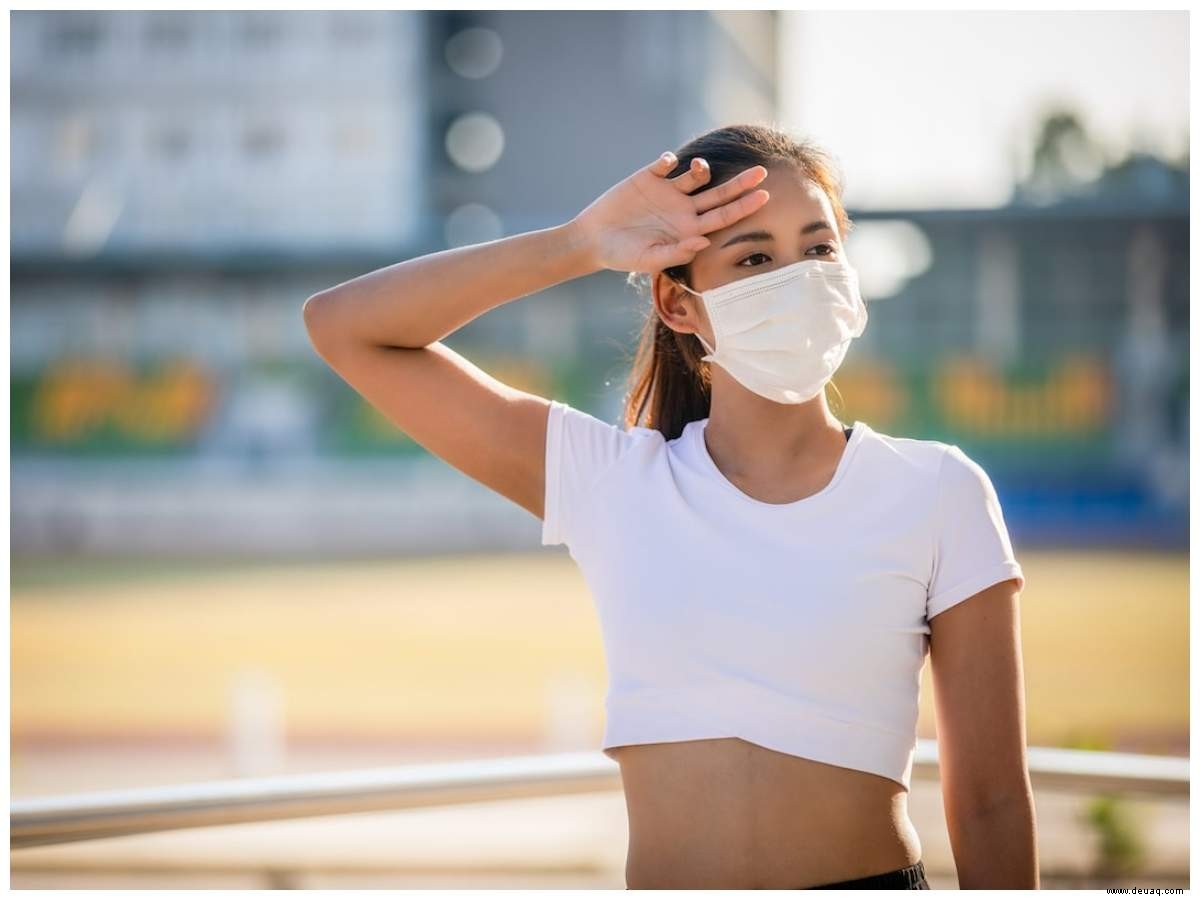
679	310
669	300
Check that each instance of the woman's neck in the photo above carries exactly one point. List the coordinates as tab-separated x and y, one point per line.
749	435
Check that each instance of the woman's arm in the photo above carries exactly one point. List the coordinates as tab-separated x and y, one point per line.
979	699
381	331
413	303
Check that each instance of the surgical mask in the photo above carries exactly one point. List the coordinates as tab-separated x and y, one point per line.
783	333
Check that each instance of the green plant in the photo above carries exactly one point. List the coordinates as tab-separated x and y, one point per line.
1122	849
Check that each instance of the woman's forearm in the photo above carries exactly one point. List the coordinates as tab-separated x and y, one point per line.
419	301
996	848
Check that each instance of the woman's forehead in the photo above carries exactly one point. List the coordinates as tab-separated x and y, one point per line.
794	187
794	198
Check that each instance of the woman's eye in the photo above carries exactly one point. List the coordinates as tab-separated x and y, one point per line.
829	248
751	256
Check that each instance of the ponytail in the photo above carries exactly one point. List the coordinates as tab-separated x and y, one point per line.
668	383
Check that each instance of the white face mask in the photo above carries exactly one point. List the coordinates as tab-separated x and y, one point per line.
783	333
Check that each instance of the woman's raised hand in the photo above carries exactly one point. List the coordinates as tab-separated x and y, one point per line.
650	222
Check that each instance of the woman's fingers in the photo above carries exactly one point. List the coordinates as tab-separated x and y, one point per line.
724	216
697	174
663	164
725	192
664	256
717	208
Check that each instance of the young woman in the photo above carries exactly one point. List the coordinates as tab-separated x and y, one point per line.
768	581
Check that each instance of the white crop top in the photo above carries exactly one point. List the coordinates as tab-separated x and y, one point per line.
801	627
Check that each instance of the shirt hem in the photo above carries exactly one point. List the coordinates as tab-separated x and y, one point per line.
652	717
972	586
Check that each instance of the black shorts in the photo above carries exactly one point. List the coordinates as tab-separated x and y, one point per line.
910	878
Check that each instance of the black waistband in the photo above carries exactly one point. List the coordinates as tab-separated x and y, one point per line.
909	878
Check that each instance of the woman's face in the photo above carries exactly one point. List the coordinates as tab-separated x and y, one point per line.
795	224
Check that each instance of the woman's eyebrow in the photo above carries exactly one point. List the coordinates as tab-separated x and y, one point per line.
761	235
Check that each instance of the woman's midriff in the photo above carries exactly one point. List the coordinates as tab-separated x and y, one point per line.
725	813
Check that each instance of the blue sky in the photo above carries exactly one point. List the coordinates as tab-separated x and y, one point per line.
938	108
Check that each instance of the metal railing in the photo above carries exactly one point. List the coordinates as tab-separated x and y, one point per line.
88	816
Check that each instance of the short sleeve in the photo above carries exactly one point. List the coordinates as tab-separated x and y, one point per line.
972	546
579	449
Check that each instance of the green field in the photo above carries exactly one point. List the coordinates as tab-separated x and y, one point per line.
480	647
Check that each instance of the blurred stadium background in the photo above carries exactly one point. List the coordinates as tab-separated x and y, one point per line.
225	563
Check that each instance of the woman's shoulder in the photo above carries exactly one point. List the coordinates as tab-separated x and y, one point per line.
943	462
590	441
919	455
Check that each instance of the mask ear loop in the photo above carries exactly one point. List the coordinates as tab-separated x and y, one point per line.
711	352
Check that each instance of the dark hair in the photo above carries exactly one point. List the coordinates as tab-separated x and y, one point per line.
668	385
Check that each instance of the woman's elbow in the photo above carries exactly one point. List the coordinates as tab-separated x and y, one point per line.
314	312
318	321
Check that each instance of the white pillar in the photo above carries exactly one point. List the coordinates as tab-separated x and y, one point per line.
256	738
998	297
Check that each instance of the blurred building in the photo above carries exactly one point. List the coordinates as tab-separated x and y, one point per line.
176	176
216	132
